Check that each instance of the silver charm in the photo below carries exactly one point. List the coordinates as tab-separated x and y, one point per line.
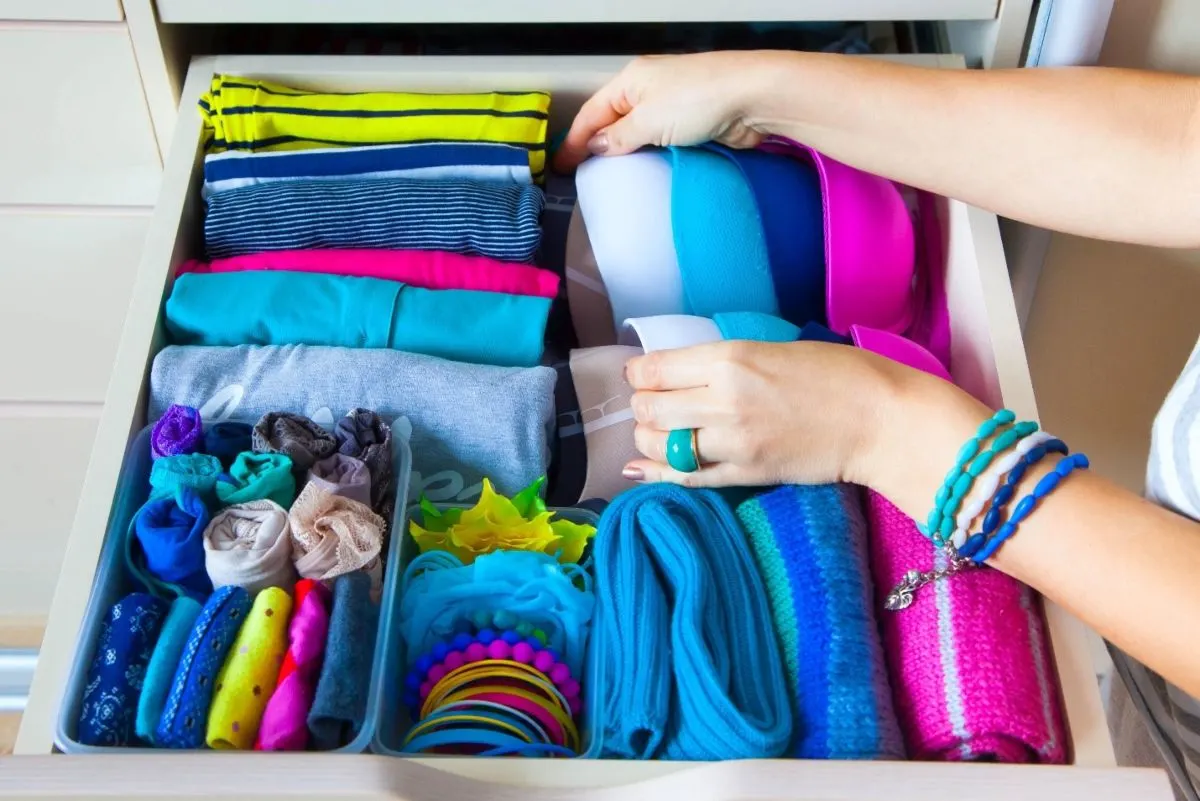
902	595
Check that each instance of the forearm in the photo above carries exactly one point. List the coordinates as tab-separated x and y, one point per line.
1126	567
1113	154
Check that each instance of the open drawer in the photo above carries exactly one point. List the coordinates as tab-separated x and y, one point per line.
988	360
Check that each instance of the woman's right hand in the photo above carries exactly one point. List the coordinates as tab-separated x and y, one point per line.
668	100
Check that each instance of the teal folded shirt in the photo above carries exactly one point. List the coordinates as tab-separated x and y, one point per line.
283	308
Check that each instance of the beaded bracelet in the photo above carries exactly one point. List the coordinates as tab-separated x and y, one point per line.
985	489
1002	496
1044	487
1002	443
967	452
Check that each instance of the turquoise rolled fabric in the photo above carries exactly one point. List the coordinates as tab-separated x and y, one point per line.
284	308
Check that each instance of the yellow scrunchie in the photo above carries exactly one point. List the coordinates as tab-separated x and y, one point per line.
247	679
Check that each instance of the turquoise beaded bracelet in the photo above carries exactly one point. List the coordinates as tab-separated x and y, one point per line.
967	452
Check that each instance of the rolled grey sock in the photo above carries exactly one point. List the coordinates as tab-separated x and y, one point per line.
296	437
364	435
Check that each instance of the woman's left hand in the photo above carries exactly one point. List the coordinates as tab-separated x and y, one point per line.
765	413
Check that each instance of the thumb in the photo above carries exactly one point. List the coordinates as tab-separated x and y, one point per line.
625	135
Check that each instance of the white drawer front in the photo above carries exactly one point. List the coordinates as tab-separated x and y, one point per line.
64	292
989	360
39	486
76	129
81	10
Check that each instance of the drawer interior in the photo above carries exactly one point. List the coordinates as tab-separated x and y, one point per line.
987	352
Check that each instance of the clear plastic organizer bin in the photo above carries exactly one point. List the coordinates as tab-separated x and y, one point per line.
113	582
393	720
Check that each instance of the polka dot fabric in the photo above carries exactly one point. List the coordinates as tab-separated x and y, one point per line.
185	716
247	680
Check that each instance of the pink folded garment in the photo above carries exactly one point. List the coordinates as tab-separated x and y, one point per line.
284	724
969	660
427	269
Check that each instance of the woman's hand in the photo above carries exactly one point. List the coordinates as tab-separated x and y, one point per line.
667	100
765	413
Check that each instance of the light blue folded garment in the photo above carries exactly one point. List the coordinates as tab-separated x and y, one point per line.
719	239
477	161
283	308
755	326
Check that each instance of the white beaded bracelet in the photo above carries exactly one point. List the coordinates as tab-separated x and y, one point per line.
987	485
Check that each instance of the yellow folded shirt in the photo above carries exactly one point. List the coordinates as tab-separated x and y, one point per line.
245	114
248	676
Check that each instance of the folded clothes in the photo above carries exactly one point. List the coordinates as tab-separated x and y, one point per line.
332	536
179	430
165	546
810	544
339	706
116	676
246	114
436	404
475	218
428	161
363	435
969	661
256	477
273	308
226	440
343	475
160	672
184	719
284	721
197	471
294	436
426	269
248	676
250	546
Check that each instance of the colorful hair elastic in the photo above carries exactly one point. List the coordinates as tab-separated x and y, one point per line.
490	669
450	738
561	726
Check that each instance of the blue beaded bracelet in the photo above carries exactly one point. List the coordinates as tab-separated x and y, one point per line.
1004	495
1048	484
967	452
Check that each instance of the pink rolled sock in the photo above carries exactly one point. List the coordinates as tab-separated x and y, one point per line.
969	660
427	269
284	724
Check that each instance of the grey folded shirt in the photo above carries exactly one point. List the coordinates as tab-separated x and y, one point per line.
463	421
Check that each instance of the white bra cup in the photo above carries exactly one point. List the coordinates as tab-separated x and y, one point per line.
668	331
626	204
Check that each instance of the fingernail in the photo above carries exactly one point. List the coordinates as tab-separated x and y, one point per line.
631	473
598	144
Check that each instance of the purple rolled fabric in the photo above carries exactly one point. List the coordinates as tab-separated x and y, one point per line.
343	475
179	430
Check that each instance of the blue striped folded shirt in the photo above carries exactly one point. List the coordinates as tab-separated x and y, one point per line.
480	161
477	218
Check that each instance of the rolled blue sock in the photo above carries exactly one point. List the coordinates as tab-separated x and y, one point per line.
116	677
165	550
226	440
339	707
160	672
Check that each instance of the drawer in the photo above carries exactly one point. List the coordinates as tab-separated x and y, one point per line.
75	10
68	278
988	359
76	129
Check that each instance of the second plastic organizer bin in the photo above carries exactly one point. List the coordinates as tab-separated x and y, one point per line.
113	582
393	719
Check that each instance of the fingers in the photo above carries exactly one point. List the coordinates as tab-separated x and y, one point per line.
683	368
681	408
600	111
721	474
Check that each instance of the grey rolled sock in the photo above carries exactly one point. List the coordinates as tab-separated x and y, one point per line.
364	435
295	436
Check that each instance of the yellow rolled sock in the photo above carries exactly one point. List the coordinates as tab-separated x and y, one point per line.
247	679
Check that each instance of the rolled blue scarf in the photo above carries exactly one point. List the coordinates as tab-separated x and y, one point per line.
165	547
118	670
226	440
184	720
811	545
284	308
690	666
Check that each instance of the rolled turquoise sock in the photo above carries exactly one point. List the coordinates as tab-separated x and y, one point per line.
161	670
